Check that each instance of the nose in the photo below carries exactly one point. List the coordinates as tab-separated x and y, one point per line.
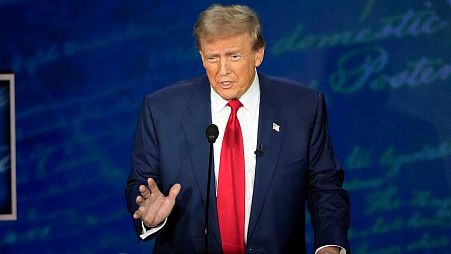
223	66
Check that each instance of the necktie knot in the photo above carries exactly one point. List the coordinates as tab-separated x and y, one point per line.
234	105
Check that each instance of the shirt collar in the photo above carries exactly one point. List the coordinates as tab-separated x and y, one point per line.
250	99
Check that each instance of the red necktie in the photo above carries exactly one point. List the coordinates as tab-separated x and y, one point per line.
231	185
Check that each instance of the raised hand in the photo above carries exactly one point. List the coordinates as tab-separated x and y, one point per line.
154	207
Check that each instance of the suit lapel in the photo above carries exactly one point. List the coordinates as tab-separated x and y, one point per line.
271	139
194	124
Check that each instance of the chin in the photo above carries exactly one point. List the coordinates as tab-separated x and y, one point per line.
227	96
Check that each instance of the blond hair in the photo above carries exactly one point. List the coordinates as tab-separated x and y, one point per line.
220	21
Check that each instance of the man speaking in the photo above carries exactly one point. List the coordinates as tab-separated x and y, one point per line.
273	154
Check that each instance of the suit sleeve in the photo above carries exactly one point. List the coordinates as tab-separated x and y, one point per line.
145	160
327	201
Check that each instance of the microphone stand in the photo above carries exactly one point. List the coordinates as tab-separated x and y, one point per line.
207	202
212	133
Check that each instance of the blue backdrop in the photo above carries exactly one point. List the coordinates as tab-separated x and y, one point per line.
82	68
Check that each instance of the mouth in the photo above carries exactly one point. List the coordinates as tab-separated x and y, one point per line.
225	84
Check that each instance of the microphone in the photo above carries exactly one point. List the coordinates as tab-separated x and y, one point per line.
212	133
259	149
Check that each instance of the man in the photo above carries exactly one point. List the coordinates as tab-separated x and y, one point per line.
272	155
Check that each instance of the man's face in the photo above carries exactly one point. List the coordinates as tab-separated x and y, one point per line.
230	64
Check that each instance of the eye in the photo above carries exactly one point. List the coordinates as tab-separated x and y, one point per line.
212	59
235	57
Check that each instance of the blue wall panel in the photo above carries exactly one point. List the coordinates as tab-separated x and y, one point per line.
83	67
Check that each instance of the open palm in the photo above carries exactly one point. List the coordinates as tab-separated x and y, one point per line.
154	207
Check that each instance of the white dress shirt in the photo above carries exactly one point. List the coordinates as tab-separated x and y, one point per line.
248	117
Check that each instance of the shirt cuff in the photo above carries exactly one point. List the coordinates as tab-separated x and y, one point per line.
147	232
342	250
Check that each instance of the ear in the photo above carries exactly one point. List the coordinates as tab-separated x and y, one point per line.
259	56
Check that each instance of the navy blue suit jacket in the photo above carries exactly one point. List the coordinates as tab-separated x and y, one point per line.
297	166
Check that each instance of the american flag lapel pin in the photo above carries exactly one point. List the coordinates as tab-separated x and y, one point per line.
276	127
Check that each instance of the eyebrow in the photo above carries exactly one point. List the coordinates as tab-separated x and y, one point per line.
232	52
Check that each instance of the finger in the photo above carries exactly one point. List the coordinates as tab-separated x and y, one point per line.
137	214
175	190
139	200
152	186
145	192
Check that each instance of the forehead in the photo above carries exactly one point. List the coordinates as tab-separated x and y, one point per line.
227	43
